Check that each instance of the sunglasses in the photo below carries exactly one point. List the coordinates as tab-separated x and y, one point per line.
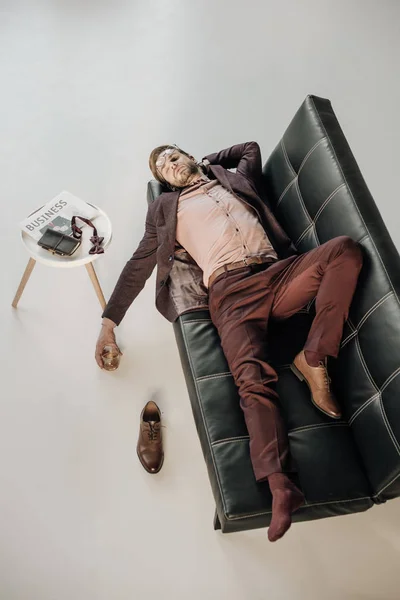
162	159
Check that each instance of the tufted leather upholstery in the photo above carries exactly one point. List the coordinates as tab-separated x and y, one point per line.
317	192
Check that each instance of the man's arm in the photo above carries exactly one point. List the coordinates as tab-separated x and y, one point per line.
246	158
134	275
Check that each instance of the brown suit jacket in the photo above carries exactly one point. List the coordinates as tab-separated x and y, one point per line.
179	285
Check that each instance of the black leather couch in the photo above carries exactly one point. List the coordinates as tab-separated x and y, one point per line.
317	192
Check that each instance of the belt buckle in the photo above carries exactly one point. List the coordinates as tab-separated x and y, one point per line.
257	260
252	260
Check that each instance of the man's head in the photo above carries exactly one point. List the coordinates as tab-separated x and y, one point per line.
172	165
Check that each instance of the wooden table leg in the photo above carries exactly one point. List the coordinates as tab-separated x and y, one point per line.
96	284
24	281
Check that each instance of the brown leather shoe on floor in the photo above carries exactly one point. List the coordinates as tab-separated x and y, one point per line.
318	381
149	447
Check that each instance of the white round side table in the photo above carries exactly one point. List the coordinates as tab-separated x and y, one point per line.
79	258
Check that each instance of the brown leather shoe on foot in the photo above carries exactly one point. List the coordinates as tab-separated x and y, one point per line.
318	381
149	447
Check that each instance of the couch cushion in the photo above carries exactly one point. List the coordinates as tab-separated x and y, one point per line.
327	460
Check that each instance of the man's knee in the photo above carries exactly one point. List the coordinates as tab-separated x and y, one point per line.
348	245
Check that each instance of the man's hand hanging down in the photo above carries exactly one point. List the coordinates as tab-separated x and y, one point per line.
106	338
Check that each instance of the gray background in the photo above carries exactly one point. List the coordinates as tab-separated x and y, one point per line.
87	90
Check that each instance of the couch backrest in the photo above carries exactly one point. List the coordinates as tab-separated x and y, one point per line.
317	192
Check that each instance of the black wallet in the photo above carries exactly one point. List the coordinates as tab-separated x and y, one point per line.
58	243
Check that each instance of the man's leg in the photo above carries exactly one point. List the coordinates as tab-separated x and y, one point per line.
240	304
329	273
239	308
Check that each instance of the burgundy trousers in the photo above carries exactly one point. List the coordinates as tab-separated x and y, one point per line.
241	303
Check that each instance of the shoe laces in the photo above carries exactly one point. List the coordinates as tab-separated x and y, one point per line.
327	379
153	430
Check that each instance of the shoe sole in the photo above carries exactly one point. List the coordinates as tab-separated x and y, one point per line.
300	376
146	469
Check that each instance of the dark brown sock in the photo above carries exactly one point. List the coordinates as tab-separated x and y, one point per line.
286	498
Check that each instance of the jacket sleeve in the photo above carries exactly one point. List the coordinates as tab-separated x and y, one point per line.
246	158
134	275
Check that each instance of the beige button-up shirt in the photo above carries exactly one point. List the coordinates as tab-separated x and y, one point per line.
217	228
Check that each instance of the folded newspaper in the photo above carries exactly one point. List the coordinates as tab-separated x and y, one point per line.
57	214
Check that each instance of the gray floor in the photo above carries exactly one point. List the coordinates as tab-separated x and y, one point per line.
88	89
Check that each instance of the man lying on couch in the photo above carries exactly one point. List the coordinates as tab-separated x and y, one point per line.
245	269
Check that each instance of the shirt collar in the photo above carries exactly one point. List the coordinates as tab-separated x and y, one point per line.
202	179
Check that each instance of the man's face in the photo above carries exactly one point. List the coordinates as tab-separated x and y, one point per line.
176	168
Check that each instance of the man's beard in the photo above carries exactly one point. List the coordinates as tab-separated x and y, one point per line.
185	173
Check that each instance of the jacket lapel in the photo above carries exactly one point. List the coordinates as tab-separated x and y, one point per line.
169	207
241	186
220	174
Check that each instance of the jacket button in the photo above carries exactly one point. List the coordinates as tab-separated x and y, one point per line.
162	282
171	257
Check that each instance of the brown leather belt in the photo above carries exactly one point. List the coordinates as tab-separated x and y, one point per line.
240	264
